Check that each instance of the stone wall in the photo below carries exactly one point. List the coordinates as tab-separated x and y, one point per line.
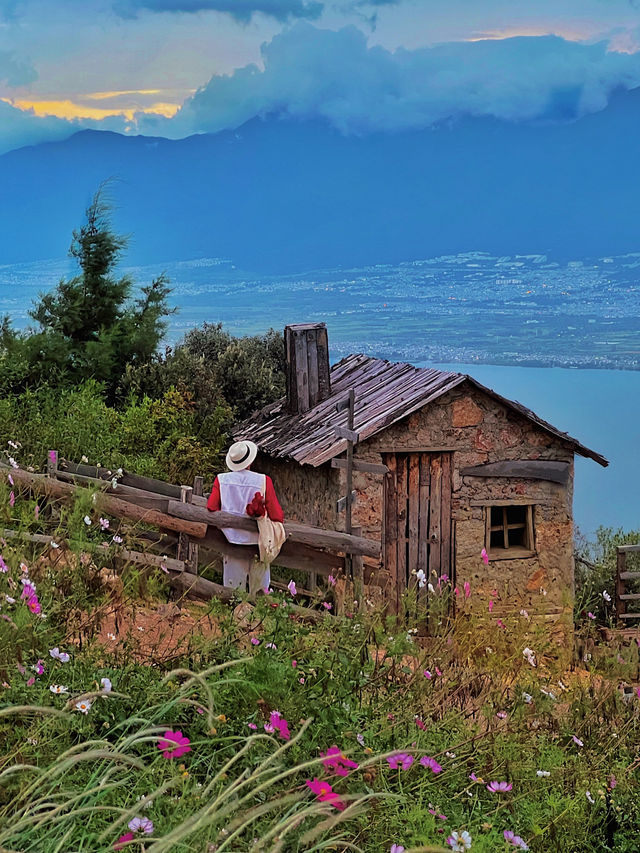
307	494
479	429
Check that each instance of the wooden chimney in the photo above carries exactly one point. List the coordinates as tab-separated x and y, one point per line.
307	353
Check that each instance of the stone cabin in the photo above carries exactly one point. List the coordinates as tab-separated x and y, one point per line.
442	468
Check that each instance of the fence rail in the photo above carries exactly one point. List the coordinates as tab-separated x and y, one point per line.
181	510
622	575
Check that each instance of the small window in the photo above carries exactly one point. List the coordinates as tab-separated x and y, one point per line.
510	531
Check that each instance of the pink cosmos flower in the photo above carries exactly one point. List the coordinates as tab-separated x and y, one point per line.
141	824
34	605
456	591
271	646
438	671
31	681
174	744
278	724
612	781
327	605
420	724
255	641
63	657
117	539
502	715
11	480
124	839
499	787
38	667
252	726
396	848
401	761
577	740
467	589
28	589
427	674
514	839
36	512
331	580
301	680
485	556
475	778
336	761
291	586
325	793
591	615
490	605
294	663
431	763
500	624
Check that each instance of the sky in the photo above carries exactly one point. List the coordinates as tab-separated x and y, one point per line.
176	67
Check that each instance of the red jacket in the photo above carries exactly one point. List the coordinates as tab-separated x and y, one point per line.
274	510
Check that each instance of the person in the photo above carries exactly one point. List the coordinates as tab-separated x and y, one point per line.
232	492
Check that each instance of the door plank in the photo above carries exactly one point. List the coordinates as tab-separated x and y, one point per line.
445	550
435	529
414	516
391	528
403	495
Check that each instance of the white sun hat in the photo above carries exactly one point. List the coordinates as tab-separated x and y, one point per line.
240	455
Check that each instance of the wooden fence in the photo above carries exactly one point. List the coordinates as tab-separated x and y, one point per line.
188	531
622	575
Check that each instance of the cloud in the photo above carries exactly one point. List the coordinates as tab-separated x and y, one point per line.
19	127
241	10
15	72
312	73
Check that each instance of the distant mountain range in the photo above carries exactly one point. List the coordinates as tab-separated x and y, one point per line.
278	196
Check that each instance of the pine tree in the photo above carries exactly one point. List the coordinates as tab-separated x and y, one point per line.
90	325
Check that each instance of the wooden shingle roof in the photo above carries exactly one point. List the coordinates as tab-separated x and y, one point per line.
385	392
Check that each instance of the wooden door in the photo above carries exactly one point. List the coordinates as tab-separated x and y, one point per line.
417	519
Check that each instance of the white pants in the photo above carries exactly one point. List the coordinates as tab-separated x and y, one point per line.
240	571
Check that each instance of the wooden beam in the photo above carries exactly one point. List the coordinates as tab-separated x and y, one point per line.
140	497
516	500
330	540
148	484
414	448
56	489
367	467
626	549
528	469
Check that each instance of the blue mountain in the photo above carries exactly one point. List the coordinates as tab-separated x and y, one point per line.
278	195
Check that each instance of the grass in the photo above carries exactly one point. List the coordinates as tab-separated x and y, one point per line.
561	736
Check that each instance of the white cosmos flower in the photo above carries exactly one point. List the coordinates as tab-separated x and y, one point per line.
87	521
63	657
606	596
58	688
543	773
106	685
84	706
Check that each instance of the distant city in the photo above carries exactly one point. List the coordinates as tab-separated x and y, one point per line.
528	310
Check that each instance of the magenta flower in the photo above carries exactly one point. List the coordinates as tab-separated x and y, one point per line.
174	744
331	580
591	615
438	671
431	763
38	667
34	605
291	586
327	605
420	724
401	760
336	761
485	556
427	674
490	605
325	793
467	589
252	726
124	839
278	724
499	787
514	839
28	589
31	681
255	641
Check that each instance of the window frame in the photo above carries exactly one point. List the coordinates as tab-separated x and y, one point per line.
514	552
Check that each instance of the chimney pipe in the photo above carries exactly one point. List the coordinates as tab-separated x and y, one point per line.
307	353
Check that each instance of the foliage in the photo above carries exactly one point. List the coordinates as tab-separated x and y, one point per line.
596	572
158	438
248	372
563	740
89	325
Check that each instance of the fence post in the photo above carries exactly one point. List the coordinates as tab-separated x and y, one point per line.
184	551
357	567
621	561
198	488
